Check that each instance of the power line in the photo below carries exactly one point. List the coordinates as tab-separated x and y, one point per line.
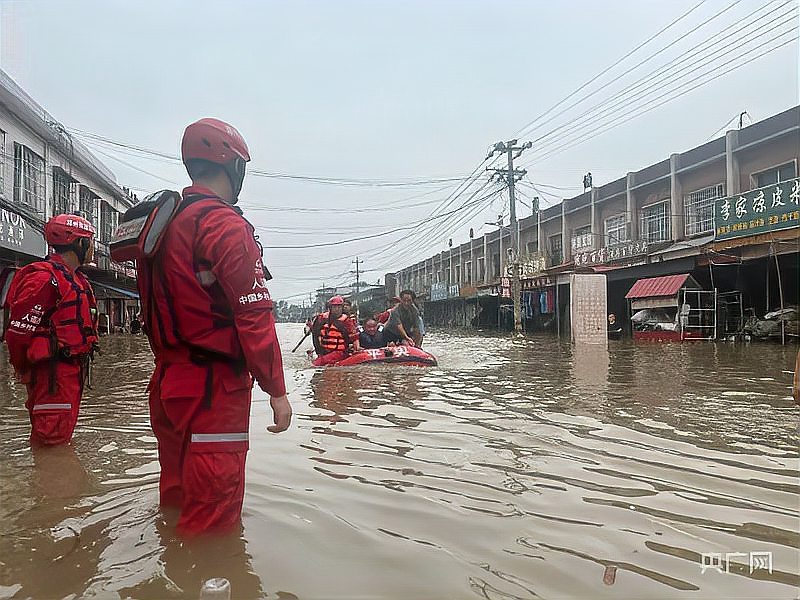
425	228
431	230
728	122
602	108
339	209
340	181
624	118
135	168
365	237
607	69
459	221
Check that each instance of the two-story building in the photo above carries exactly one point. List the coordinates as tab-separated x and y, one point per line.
656	221
45	171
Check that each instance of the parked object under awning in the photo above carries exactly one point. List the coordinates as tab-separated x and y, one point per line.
103	291
659	292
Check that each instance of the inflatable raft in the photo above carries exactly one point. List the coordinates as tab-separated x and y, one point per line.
408	356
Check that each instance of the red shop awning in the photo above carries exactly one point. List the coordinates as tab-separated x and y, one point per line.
658	287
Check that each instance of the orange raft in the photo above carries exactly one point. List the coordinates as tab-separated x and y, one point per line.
407	356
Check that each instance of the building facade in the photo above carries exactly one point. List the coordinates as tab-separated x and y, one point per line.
666	218
44	171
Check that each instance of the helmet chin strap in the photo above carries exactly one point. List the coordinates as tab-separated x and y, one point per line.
81	248
235	171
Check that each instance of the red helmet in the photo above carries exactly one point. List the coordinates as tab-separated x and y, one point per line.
336	301
62	230
217	142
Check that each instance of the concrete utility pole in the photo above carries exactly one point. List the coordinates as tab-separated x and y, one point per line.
358	284
511	175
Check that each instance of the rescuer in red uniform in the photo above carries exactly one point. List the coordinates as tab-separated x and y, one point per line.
52	329
335	334
210	324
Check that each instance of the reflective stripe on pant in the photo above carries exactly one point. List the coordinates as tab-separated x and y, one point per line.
54	415
202	446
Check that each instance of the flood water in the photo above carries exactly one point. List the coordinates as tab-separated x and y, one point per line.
519	468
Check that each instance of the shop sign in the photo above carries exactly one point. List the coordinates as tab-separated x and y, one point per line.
467	291
766	209
454	291
505	287
18	235
531	265
438	291
611	253
537	283
123	269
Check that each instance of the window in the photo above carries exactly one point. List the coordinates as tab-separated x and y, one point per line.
468	272
496	265
582	237
87	205
28	178
655	223
63	192
698	209
456	274
775	175
108	221
532	247
481	269
556	249
616	230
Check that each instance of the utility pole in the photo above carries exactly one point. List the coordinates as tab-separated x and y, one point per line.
511	175
358	283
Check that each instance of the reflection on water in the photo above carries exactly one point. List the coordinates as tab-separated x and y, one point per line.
519	468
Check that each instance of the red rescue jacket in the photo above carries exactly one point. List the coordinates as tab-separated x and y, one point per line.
52	314
204	294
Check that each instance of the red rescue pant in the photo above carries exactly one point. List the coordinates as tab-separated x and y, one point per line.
54	411
329	358
200	415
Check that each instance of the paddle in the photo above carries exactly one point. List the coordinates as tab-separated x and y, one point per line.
301	341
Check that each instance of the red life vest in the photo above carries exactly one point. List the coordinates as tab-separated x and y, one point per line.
333	335
184	307
70	327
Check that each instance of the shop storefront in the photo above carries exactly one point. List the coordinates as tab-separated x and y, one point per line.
20	242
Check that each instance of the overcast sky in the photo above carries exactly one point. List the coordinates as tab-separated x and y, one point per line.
394	92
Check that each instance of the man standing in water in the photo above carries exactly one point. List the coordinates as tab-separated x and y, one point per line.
52	329
403	324
210	324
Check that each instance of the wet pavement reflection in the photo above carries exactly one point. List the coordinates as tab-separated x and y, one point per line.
518	468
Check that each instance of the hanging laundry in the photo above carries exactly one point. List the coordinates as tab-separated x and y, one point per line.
551	304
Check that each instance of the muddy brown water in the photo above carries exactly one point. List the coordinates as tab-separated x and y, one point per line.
519	468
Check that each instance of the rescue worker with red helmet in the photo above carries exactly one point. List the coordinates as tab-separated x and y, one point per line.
211	327
52	329
335	334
